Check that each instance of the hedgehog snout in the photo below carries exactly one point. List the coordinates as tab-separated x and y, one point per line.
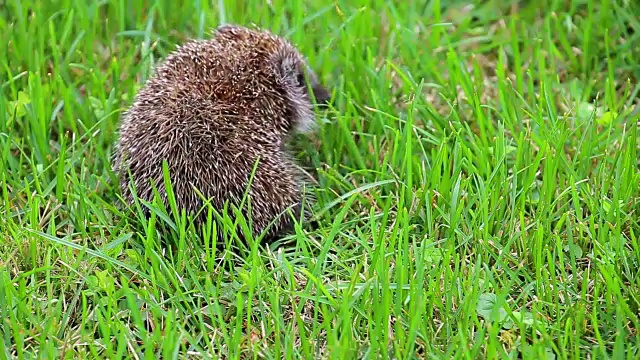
321	94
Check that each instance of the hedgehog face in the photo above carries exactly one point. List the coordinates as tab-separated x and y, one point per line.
301	88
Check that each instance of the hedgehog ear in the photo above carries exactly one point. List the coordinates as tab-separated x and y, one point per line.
288	69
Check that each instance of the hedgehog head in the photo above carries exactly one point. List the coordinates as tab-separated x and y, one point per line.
296	81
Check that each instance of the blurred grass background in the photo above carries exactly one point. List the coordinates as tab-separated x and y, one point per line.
477	187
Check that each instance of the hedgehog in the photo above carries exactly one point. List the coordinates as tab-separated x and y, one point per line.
219	112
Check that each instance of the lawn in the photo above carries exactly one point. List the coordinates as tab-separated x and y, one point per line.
476	182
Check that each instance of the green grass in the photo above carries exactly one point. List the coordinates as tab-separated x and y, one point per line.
478	187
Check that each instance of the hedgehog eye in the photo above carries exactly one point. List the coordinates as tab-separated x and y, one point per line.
300	80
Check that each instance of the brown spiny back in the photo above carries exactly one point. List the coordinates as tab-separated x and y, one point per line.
211	110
